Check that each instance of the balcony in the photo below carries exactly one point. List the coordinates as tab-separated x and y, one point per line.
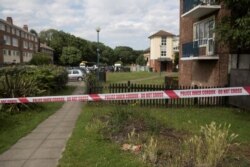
198	8
192	51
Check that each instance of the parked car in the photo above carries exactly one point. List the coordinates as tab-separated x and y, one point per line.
76	74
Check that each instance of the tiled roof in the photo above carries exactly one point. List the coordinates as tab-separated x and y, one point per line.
42	45
161	33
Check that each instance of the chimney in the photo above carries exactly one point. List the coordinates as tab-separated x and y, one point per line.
9	20
25	27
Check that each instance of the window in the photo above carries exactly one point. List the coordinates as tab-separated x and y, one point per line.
163	40
8	29
22	34
17	32
163	53
2	26
13	31
5	52
30	45
203	31
7	40
25	44
15	42
75	72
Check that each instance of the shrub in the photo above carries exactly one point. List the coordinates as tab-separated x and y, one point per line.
41	59
16	82
27	81
207	149
51	78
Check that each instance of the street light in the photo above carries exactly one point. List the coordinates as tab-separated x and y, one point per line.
98	29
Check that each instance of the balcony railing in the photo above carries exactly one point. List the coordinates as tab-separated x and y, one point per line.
190	49
190	4
199	8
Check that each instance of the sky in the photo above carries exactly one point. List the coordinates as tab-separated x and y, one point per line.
122	22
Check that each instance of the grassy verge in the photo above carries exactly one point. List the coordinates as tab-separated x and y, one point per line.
100	133
117	77
88	147
13	127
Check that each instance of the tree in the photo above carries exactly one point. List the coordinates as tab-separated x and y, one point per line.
70	56
32	31
141	60
235	29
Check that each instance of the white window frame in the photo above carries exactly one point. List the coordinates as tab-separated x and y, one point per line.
13	31
163	41
15	42
7	40
31	45
163	53
202	32
2	26
25	44
17	32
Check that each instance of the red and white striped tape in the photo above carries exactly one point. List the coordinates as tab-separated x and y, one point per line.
167	94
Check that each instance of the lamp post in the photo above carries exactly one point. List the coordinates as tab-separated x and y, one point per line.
98	29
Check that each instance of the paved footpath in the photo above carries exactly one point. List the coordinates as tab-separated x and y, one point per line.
44	146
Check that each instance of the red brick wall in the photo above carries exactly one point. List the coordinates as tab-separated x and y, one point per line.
202	72
156	65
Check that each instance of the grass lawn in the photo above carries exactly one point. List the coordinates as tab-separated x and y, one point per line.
13	127
91	145
138	77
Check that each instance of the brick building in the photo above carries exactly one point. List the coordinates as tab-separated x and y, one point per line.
44	48
17	45
161	51
203	60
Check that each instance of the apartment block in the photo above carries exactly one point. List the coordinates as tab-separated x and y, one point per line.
17	45
161	51
44	48
204	61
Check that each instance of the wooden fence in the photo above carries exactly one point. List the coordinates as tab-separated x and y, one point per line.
187	102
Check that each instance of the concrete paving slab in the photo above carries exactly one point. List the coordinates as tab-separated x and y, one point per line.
43	130
49	153
16	154
41	163
63	135
66	129
17	163
54	143
32	143
44	146
36	135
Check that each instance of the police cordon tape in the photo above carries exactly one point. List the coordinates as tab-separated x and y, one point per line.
166	94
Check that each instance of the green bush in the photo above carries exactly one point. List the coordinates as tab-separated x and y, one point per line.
41	59
27	81
51	78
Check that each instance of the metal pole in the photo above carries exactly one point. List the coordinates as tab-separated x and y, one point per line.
98	54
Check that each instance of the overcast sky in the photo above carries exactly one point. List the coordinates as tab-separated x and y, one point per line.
122	22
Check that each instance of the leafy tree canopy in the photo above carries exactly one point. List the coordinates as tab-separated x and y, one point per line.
235	29
59	39
141	60
70	56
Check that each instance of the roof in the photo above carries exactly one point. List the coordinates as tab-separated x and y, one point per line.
162	33
42	45
147	50
17	27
